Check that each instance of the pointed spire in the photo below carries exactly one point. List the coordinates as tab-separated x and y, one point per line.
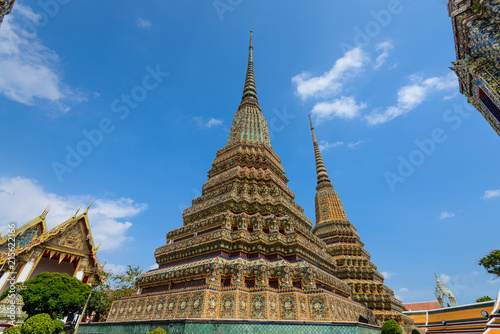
249	125
323	179
438	281
250	90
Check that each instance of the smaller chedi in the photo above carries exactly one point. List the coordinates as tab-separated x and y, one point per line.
344	244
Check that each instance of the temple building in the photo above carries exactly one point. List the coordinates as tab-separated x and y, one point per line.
5	8
344	245
476	29
31	249
476	318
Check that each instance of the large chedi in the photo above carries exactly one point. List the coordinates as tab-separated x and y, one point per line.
245	250
344	245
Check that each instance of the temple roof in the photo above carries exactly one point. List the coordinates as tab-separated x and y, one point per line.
24	234
46	237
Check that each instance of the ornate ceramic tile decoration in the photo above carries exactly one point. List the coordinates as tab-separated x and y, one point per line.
476	28
246	249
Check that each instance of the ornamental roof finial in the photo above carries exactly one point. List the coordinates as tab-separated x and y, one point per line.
250	90
323	179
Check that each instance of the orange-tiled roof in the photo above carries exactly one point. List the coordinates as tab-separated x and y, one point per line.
423	306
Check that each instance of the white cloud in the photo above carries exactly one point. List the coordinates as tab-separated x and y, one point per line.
444	278
324	145
387	274
354	145
115	269
144	24
331	82
403	290
213	122
493	193
411	96
344	107
30	70
207	124
153	266
384	47
22	200
446	214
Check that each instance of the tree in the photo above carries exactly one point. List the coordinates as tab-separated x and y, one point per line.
111	288
483	299
54	293
491	262
391	327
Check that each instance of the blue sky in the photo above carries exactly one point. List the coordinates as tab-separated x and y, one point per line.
127	105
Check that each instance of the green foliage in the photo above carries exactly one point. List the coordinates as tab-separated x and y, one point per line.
112	287
491	262
158	331
13	330
60	327
38	324
54	293
391	327
415	331
483	299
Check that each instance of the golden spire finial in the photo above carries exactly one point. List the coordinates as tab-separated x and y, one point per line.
77	211
45	212
86	211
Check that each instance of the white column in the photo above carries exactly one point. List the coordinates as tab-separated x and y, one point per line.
26	271
4	278
79	275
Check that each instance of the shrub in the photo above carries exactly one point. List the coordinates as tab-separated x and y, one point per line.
60	327
415	331
38	324
391	327
12	330
158	331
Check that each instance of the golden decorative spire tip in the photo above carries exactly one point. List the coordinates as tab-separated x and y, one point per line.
86	211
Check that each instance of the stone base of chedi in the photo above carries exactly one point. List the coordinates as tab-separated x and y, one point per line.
242	289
